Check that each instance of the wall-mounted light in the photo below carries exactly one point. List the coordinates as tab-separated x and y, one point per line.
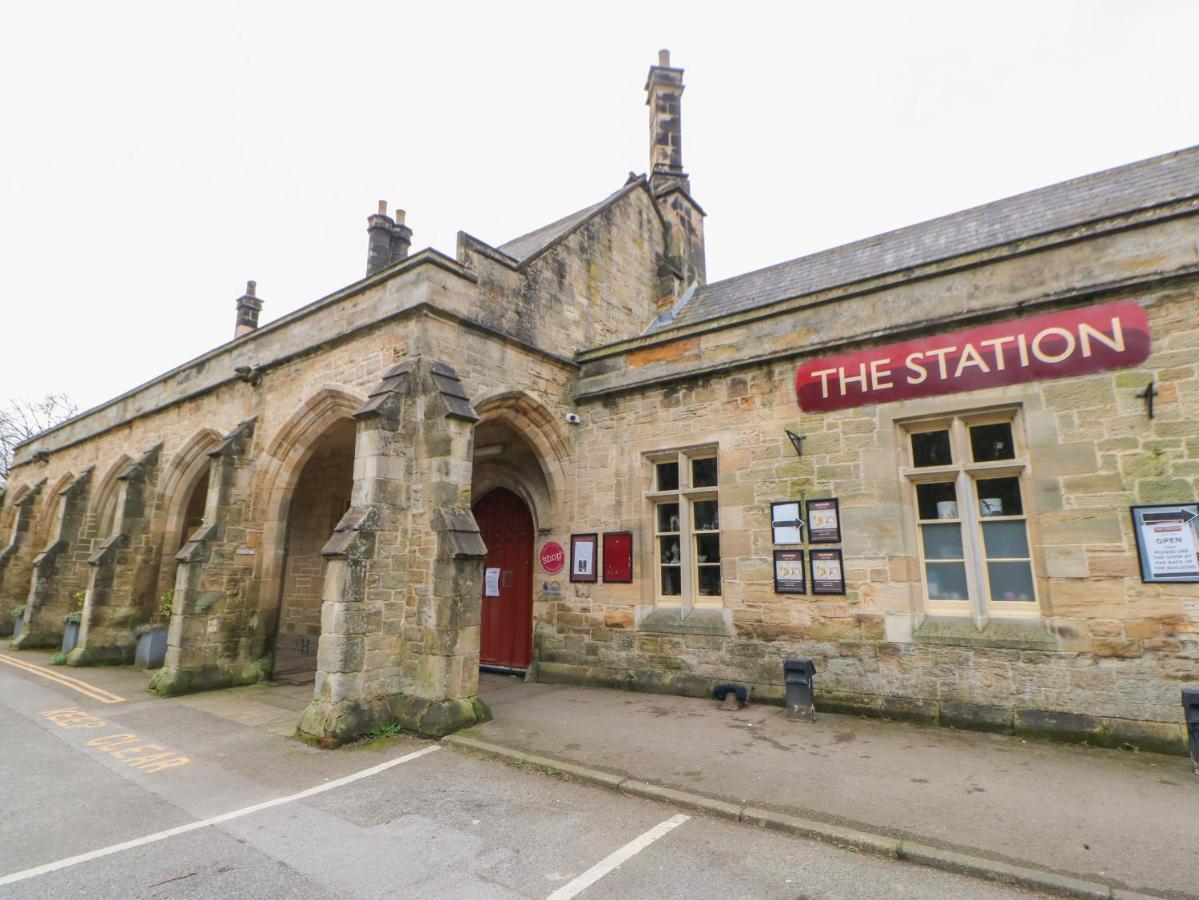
796	441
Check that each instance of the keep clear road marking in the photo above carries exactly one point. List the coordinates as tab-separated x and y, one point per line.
215	820
88	690
608	863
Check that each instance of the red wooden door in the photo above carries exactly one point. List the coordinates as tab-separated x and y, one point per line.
507	633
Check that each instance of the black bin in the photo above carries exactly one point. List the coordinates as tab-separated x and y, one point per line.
1190	710
797	677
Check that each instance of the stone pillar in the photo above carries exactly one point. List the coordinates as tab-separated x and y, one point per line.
402	603
120	592
57	571
215	638
16	558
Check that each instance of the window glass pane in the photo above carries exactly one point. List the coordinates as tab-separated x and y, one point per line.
938	500
668	517
931	448
672	581
999	497
707	548
946	581
1011	581
1005	540
992	442
705	516
709	581
703	472
944	541
669	549
668	476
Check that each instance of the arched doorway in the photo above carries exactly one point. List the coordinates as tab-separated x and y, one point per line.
320	498
506	637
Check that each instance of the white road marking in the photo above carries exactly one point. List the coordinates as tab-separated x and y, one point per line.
608	863
205	823
88	690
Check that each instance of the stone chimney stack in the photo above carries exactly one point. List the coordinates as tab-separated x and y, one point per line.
668	180
378	229
401	238
248	308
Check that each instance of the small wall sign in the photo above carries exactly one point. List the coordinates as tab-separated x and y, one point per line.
552	558
828	573
789	575
1168	541
618	557
785	523
582	556
491	583
824	521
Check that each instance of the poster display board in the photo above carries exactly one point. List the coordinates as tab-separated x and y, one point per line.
583	556
828	572
618	557
824	521
1167	541
789	577
786	525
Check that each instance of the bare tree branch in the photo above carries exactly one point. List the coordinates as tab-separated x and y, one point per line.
22	419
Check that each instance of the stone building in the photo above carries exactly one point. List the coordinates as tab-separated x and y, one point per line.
445	464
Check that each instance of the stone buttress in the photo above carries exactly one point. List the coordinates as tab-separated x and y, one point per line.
57	574
121	583
402	604
215	634
16	558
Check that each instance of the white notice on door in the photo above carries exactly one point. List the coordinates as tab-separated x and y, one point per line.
491	586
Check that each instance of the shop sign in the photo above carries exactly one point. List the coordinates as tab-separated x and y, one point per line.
1167	541
1056	345
552	557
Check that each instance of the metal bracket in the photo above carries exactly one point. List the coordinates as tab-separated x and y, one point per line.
796	441
1147	395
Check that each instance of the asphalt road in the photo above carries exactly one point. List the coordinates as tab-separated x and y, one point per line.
91	775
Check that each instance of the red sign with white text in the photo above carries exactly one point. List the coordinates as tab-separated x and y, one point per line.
552	557
1056	345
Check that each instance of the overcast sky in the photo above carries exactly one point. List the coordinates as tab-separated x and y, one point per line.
156	155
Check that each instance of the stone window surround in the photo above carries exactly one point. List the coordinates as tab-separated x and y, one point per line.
979	607
684	495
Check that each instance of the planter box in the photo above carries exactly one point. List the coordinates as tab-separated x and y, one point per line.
151	649
70	636
17	622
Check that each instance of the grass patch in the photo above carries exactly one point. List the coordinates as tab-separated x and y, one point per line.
59	659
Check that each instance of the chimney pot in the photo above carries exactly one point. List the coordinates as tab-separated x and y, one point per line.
399	216
248	308
382	207
251	288
664	58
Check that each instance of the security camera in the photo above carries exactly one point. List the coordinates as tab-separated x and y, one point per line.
574	419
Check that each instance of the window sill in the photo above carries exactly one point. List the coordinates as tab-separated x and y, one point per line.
677	620
1001	633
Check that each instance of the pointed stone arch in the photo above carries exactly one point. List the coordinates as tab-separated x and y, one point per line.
532	422
189	466
104	498
282	464
51	501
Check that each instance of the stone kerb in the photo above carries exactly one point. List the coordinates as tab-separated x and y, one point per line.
399	625
122	570
54	572
16	558
214	636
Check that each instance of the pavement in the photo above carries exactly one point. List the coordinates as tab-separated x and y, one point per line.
1062	817
110	791
516	810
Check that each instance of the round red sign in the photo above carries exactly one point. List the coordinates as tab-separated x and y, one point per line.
553	557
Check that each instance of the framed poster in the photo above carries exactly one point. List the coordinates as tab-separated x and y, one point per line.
824	521
789	572
828	573
1167	541
618	557
582	556
786	526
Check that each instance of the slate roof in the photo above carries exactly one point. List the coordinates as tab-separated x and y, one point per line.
534	242
1117	191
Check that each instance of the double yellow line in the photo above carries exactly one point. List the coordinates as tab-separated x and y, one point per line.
88	690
